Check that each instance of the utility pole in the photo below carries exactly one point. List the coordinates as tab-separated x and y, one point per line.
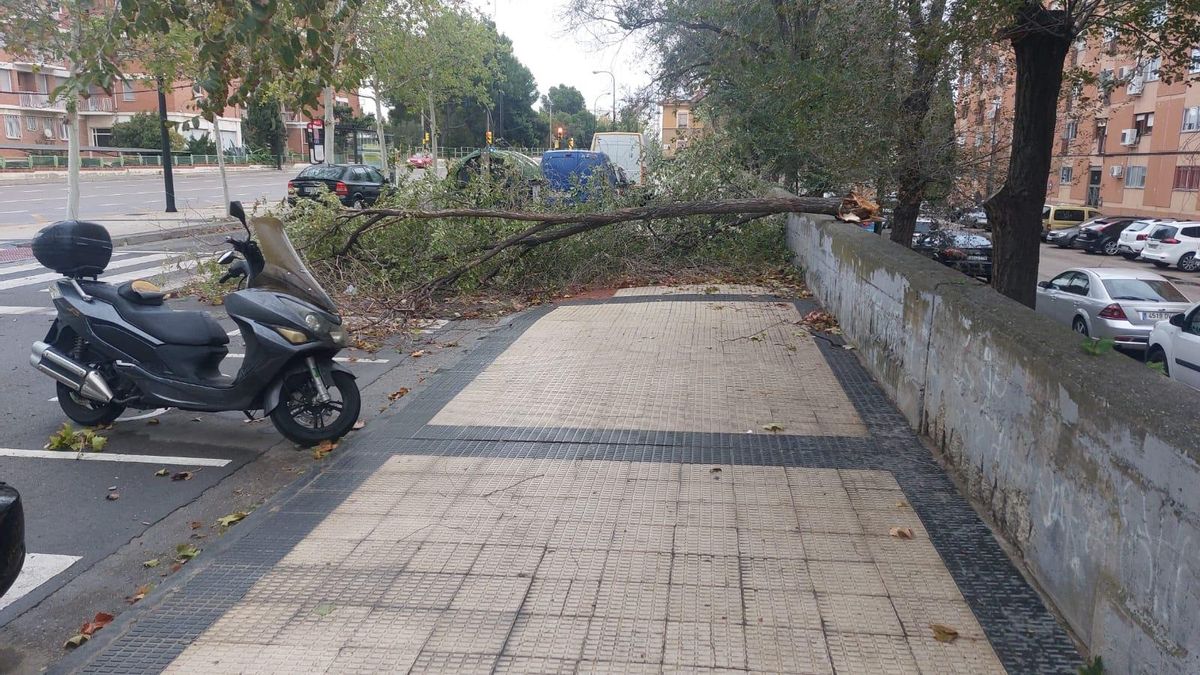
168	175
614	93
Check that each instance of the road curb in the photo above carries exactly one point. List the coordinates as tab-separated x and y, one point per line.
175	233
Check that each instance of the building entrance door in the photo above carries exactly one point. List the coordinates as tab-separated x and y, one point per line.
1093	192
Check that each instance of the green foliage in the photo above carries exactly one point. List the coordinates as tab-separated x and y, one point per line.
76	440
566	99
1098	346
143	131
1093	667
264	129
200	145
1159	367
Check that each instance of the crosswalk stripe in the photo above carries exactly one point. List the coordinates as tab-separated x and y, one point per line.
5	270
18	311
51	276
181	266
113	457
37	570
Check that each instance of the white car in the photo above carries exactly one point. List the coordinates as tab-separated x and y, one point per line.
1133	238
1175	244
1175	343
1110	302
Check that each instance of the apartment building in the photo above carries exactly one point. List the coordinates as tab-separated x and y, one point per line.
1128	143
679	124
34	123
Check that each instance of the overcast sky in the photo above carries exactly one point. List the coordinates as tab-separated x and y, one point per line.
557	55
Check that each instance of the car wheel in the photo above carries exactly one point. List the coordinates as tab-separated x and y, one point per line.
1189	263
1080	326
1159	264
1110	247
1129	256
1157	355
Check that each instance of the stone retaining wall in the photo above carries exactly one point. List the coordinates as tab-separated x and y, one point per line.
1089	466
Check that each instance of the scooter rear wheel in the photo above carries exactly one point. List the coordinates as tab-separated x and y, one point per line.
85	411
304	421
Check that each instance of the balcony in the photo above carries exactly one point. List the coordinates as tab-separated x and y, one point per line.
97	104
40	101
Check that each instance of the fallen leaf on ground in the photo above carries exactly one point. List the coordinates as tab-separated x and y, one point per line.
943	633
139	594
182	475
449	344
175	567
75	641
902	504
153	562
323	448
418	354
185	552
195	524
901	532
773	427
398	394
113	496
323	609
162	472
711	290
152	420
99	621
358	425
226	521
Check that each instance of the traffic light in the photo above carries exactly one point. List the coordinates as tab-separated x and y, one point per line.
571	143
489	137
426	138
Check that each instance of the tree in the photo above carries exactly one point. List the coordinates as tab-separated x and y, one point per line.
264	129
200	145
565	99
1041	35
143	131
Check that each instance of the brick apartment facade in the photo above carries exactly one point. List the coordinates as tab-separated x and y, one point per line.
32	122
1129	144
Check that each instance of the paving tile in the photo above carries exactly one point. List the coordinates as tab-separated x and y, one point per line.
435	663
640	566
625	639
471	631
764	517
706	514
836	546
618	668
782	649
422	591
491	594
918	581
846	577
776	573
778	607
253	622
572	563
770	544
858	614
706	540
880	523
205	657
313	551
892	550
561	597
373	554
371	660
535	666
391	628
704	644
322	623
821	519
705	570
632	600
443	557
501	560
868	480
963	656
581	535
870	654
917	614
643	537
556	637
713	604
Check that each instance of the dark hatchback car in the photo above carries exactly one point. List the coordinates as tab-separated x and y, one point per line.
966	252
356	185
1102	235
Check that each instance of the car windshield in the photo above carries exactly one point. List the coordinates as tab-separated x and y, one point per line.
1146	290
923	226
322	172
283	270
1045	212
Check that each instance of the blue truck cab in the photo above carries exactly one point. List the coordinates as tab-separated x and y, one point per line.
570	172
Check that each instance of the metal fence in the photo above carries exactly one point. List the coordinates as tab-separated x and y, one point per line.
121	161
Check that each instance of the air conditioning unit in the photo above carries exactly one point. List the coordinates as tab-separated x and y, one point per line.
1129	137
1117	171
48	133
1136	85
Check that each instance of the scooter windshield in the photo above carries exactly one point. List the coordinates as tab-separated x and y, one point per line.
283	270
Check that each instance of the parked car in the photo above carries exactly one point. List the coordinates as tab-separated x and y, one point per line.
1056	217
1175	343
12	536
1175	244
420	160
975	218
1110	302
1132	241
517	173
356	185
966	252
1101	235
923	226
626	150
1062	238
570	173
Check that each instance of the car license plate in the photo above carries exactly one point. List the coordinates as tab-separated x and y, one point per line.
306	191
1156	316
977	257
1151	244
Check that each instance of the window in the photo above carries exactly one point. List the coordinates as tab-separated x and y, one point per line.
102	138
1101	136
1079	284
1193	232
197	91
1070	215
1144	123
1153	290
1152	69
31	123
683	119
126	90
12	126
5	80
1135	177
64	129
1065	174
1187	178
1195	67
1191	119
1062	281
1192	324
1072	130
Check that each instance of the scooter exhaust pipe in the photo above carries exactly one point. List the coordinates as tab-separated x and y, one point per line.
85	381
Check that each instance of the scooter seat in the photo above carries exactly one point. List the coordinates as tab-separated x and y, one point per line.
174	327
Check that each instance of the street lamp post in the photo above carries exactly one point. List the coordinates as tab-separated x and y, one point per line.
614	92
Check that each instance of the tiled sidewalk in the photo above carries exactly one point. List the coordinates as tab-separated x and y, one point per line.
582	495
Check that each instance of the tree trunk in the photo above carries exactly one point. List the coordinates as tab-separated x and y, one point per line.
433	133
383	148
1040	43
73	161
221	160
330	128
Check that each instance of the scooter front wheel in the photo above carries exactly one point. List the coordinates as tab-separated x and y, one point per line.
304	420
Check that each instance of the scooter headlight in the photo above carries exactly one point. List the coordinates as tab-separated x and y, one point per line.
315	323
339	337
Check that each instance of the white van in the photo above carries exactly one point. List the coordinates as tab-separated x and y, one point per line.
624	148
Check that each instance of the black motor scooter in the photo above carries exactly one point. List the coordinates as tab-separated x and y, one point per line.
113	347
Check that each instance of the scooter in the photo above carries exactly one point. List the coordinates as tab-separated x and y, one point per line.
117	347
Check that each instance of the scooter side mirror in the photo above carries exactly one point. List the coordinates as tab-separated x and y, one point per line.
236	210
226	258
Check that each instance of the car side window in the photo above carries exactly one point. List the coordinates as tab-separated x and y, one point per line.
1079	284
1062	281
376	176
1191	323
1069	215
1191	232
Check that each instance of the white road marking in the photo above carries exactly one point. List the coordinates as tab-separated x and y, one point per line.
51	276
113	457
25	267
18	311
37	570
339	359
181	266
144	416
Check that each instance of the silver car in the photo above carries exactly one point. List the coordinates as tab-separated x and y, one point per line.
1110	302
